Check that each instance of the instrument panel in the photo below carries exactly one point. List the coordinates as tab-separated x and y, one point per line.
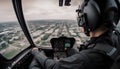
62	43
60	46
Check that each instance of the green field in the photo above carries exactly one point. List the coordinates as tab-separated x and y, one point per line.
11	54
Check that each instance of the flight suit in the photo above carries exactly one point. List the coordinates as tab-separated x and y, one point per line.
89	58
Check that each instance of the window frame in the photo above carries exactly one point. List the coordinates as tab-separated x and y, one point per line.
17	4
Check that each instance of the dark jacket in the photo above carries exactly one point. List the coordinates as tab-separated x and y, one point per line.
89	58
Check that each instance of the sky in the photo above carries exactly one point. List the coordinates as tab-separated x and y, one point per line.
39	9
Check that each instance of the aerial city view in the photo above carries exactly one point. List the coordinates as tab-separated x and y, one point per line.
13	41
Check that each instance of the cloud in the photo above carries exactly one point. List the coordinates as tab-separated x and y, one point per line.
39	9
7	11
49	9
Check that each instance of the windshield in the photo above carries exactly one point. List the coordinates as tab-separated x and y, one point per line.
47	20
118	26
12	39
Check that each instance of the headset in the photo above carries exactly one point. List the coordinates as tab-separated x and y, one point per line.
94	13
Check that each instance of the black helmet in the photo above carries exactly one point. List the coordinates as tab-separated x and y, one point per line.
94	13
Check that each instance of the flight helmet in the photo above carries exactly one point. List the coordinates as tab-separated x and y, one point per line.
92	14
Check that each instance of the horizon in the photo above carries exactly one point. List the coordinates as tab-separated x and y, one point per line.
39	20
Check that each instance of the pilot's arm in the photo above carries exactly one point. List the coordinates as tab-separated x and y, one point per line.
40	61
74	62
35	65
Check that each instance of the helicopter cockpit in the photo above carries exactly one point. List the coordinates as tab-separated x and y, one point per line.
49	25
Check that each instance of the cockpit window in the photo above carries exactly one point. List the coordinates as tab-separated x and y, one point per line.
12	39
118	26
47	20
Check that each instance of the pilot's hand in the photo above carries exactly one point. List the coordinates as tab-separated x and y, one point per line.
39	56
35	49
